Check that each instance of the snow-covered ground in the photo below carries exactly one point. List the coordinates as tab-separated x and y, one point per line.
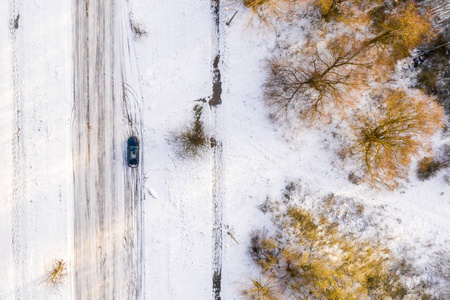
174	62
257	160
175	66
36	88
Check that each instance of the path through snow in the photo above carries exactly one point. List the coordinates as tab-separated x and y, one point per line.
107	192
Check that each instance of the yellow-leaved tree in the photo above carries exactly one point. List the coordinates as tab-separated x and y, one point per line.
399	30
267	10
386	140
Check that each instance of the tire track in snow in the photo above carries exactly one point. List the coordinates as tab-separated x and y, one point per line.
107	193
218	220
217	198
16	196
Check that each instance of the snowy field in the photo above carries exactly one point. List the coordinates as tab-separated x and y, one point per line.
186	203
36	201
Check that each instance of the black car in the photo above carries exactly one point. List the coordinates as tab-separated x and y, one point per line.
133	152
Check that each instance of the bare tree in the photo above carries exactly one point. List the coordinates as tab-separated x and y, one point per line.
399	30
310	79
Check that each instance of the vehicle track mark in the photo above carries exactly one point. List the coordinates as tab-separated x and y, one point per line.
217	198
218	220
107	193
17	146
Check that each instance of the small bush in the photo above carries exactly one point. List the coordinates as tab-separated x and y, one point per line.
254	3
428	168
353	178
427	80
399	30
138	31
57	272
267	10
193	140
447	178
342	10
347	11
263	288
330	9
263	250
434	64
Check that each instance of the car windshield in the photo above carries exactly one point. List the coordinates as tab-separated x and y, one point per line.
133	148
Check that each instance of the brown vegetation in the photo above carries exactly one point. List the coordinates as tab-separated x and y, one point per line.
263	288
57	272
400	30
307	81
193	140
267	10
308	258
137	29
386	142
322	78
428	168
346	11
433	63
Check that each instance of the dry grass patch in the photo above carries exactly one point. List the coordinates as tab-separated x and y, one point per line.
267	11
308	258
193	140
57	272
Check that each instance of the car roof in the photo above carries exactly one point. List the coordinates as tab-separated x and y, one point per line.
133	141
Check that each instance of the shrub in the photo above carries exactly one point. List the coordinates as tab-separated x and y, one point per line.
385	143
254	3
137	30
434	64
447	178
308	258
427	79
329	8
263	288
428	168
399	30
346	11
57	272
193	140
267	10
263	250
353	178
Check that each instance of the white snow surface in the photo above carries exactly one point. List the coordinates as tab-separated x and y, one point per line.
174	62
35	164
257	159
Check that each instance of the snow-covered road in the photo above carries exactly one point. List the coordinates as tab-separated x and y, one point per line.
107	214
